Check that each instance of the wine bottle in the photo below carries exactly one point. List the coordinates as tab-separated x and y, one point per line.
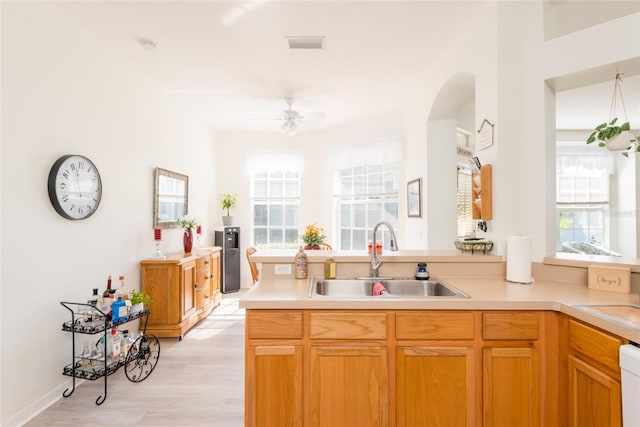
107	291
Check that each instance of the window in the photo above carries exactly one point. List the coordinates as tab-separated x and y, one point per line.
275	199
364	196
276	208
582	203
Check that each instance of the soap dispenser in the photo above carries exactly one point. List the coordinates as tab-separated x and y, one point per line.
301	264
421	272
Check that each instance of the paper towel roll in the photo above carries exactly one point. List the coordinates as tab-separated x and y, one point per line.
519	259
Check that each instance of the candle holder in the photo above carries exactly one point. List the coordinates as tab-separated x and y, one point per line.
157	235
199	236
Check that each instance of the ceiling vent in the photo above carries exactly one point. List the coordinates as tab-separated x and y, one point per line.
305	42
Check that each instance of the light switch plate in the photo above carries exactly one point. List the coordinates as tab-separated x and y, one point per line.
613	279
283	269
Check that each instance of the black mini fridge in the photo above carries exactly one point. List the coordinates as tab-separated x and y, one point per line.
229	240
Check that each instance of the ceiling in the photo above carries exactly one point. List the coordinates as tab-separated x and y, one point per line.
229	62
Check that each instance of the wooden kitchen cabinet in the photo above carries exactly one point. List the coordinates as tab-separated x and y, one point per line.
594	377
511	386
405	368
511	369
274	368
435	369
349	386
274	375
435	386
180	290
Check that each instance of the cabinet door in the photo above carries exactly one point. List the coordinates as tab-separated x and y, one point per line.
188	281
274	386
349	386
214	284
511	384
594	397
435	386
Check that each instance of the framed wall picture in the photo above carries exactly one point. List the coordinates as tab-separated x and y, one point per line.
414	198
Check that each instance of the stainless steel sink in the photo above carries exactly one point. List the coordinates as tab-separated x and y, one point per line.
400	288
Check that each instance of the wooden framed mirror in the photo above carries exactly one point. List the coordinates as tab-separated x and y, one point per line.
170	198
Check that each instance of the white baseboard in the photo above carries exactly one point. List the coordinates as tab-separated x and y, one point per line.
31	411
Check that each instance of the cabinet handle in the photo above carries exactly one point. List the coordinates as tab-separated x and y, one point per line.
195	285
206	262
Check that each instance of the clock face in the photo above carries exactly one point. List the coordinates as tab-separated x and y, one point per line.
75	187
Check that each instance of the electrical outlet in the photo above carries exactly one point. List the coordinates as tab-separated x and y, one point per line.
283	269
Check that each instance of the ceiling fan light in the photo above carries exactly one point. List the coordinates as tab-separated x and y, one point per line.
290	127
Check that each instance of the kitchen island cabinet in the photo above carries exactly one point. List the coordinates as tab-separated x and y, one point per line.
392	367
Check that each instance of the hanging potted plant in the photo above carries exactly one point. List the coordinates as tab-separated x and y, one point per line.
228	201
610	134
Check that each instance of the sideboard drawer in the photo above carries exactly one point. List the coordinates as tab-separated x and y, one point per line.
348	325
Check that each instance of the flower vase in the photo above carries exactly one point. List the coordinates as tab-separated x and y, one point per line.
312	247
187	240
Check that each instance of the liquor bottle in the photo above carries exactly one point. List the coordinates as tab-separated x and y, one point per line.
116	341
93	299
107	291
118	311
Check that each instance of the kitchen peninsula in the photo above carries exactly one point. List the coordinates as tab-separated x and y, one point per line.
508	355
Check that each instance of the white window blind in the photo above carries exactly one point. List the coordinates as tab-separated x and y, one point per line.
465	222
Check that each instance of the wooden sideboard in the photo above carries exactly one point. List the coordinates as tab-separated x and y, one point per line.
183	290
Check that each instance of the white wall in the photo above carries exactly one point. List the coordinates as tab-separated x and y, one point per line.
62	92
316	202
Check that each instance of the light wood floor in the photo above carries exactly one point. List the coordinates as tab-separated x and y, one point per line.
197	382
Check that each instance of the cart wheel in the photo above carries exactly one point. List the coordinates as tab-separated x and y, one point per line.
142	358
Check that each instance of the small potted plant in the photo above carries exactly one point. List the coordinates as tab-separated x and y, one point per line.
228	201
313	236
138	301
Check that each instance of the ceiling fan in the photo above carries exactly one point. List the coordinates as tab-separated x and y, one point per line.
292	120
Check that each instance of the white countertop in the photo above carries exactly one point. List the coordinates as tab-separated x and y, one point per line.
486	294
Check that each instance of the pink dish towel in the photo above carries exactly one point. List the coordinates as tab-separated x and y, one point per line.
379	289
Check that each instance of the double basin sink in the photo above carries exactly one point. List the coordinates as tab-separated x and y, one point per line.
345	288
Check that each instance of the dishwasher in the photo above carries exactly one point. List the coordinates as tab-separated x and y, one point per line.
630	367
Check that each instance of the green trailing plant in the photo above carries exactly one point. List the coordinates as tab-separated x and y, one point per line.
605	131
228	201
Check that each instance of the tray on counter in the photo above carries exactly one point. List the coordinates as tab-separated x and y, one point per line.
481	246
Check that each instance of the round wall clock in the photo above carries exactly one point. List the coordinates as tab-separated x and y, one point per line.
75	187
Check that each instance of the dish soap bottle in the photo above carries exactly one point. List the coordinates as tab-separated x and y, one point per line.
301	264
330	268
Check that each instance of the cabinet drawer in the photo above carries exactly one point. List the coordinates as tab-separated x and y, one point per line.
452	326
203	262
598	345
363	326
510	326
274	325
202	278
